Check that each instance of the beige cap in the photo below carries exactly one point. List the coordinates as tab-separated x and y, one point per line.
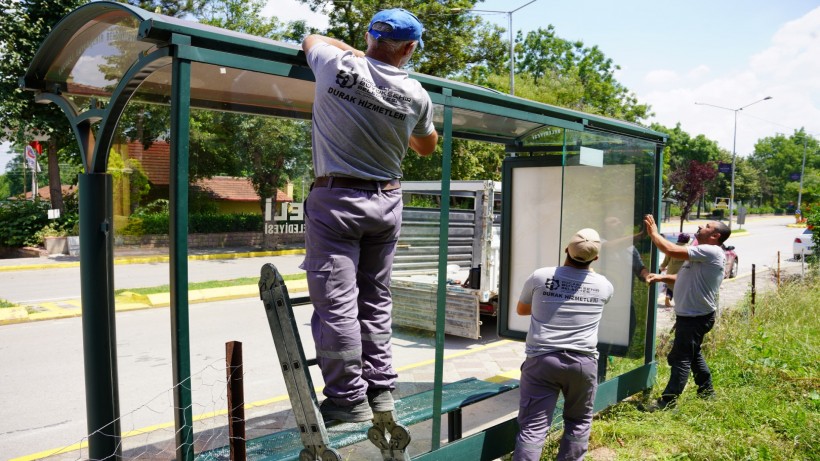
585	245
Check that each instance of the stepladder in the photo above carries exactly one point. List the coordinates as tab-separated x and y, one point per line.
390	437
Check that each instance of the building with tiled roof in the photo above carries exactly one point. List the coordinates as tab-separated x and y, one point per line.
45	192
231	194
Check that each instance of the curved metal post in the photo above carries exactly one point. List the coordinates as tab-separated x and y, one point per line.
129	84
99	329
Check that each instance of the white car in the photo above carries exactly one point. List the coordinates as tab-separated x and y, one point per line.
803	244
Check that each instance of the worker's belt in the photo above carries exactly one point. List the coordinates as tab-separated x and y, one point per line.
355	183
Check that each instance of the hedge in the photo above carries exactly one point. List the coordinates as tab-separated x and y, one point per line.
198	223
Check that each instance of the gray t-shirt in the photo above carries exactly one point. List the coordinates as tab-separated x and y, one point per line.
698	282
364	112
567	304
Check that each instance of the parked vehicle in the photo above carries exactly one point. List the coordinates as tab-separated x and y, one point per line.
730	270
473	256
803	244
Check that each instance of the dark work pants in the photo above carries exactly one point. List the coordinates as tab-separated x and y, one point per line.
350	241
686	355
542	379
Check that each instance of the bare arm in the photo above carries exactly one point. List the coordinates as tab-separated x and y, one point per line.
665	278
312	40
523	309
665	246
424	145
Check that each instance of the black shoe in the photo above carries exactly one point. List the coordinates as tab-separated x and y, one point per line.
381	400
356	413
707	394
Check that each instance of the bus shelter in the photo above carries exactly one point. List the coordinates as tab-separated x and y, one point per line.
565	170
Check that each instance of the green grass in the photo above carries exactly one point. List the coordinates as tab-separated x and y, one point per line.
204	285
4	303
766	371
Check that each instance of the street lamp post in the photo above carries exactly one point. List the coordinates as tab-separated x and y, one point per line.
512	42
734	150
802	172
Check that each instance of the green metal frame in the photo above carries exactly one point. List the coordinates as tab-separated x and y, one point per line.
186	43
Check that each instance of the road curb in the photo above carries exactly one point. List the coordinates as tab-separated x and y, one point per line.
17	314
157	259
130	301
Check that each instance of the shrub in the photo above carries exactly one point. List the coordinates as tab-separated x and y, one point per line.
21	220
198	223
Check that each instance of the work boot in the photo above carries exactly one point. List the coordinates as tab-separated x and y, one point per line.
356	413
381	400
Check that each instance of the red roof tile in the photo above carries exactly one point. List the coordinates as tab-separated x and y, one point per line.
234	189
45	192
156	162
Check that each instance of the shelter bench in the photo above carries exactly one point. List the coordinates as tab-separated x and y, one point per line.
410	410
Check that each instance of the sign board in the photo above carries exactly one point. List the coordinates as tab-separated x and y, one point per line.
794	176
31	159
722	203
54	213
741	215
725	168
289	220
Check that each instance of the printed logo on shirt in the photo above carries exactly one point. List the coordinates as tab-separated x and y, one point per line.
347	79
552	284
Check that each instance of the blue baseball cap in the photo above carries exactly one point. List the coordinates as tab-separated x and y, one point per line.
404	25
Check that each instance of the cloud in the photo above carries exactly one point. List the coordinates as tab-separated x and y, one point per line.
698	72
785	69
661	77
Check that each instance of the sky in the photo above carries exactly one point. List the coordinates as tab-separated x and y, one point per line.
727	53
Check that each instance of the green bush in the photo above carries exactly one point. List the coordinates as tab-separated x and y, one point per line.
198	223
761	210
21	220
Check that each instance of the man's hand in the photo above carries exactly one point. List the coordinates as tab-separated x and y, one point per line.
653	278
649	223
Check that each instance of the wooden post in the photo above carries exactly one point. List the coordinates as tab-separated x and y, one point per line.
754	290
778	270
236	400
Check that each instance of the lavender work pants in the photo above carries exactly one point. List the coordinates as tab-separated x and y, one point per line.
542	378
350	241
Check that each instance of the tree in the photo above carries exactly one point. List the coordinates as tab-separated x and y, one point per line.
543	55
176	8
689	185
454	40
681	148
778	157
25	24
268	150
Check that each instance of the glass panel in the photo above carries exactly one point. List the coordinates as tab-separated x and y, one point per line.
477	123
609	186
94	60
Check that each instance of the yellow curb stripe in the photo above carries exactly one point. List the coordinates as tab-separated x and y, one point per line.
506	376
158	259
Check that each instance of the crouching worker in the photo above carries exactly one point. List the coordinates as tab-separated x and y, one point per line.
565	304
